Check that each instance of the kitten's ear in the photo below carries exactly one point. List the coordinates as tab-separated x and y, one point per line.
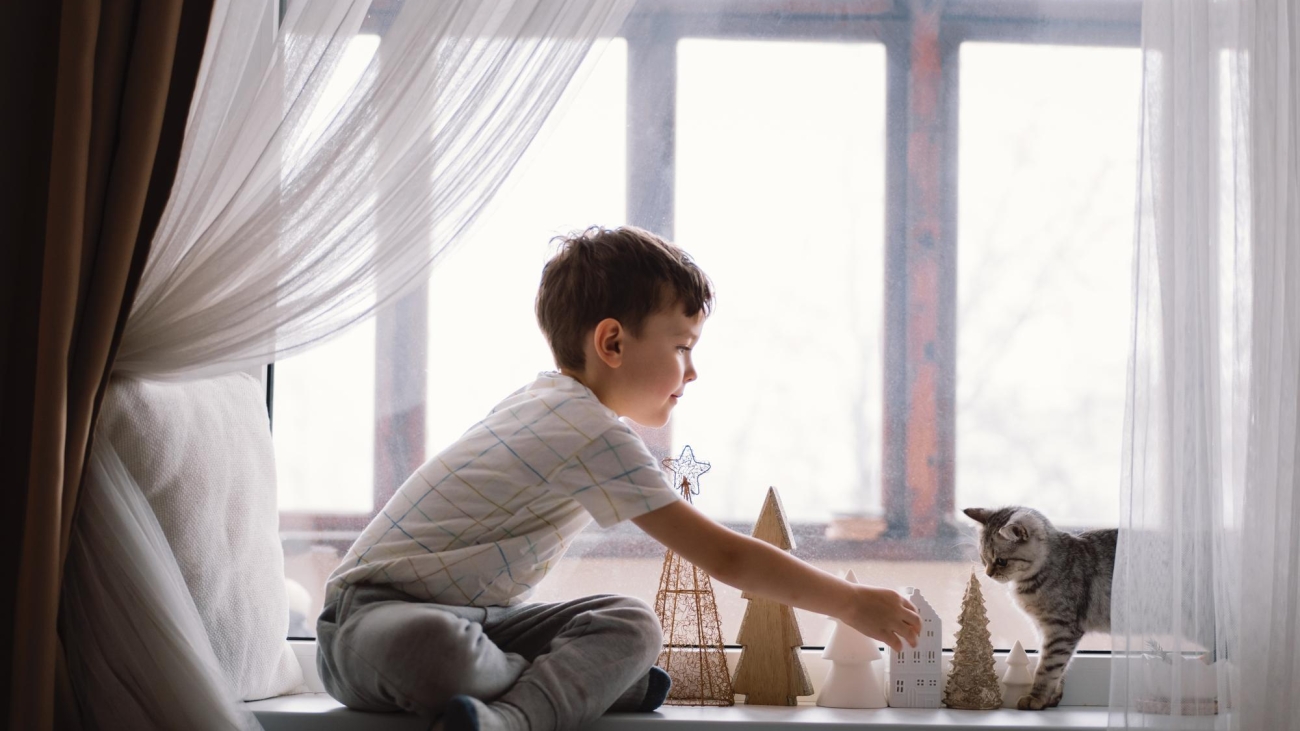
979	515
1014	532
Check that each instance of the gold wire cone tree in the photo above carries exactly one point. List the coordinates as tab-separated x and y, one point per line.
769	671
693	654
972	682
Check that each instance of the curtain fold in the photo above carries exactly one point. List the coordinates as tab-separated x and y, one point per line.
1206	597
118	685
119	89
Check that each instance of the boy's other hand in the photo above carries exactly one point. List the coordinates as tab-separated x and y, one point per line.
884	615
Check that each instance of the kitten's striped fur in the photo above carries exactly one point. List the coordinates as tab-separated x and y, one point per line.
1061	579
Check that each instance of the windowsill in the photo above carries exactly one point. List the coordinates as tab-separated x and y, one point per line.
318	711
1086	694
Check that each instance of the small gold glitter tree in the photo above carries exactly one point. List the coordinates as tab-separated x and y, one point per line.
972	684
693	654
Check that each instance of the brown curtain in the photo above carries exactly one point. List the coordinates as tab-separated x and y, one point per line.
98	93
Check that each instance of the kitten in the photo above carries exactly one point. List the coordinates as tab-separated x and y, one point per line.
1062	580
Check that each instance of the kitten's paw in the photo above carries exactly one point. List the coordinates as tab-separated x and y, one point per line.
1030	703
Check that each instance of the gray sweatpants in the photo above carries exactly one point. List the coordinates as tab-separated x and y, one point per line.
562	664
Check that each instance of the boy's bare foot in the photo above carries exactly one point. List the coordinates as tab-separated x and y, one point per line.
646	694
470	714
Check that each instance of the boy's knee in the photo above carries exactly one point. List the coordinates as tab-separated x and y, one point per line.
425	655
644	623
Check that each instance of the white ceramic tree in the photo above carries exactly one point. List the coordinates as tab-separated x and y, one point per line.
1017	680
854	680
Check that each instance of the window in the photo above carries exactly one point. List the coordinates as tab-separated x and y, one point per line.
918	220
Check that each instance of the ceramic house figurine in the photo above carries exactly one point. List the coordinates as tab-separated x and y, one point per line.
1018	679
854	680
915	672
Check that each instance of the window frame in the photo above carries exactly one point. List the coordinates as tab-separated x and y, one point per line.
922	41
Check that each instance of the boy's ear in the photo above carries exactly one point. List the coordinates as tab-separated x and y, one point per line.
608	338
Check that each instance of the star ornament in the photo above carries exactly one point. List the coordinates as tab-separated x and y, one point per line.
686	471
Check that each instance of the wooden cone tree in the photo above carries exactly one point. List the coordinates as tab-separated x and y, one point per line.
693	655
770	672
972	683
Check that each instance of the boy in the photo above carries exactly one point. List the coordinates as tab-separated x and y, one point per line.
426	612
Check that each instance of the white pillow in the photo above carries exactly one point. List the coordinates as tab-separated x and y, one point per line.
201	452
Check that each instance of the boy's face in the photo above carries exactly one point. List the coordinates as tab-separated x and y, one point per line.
657	366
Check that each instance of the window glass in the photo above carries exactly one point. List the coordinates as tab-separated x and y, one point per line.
780	195
1047	182
1048	174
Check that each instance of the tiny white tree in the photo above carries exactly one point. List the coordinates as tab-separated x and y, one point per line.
1017	680
854	680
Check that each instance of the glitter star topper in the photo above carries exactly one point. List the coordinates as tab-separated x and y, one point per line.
686	471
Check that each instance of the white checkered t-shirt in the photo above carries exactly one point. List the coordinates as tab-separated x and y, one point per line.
482	522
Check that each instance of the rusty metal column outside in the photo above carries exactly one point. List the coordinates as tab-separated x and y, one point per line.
919	436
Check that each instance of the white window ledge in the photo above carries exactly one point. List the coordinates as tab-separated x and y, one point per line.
1086	694
319	712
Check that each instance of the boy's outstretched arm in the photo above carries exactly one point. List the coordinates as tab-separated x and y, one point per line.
755	566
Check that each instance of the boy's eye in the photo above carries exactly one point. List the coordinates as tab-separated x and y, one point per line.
1001	562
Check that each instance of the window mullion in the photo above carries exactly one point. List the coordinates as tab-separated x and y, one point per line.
920	393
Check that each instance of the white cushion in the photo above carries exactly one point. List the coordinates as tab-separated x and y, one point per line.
201	453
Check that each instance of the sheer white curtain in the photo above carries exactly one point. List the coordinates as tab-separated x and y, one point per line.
307	196
1206	597
303	203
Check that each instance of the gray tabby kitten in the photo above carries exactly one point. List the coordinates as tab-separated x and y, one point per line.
1062	580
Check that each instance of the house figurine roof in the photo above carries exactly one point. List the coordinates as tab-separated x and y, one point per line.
923	607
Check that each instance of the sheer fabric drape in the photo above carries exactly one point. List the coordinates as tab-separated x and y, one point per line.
1207	586
305	201
307	196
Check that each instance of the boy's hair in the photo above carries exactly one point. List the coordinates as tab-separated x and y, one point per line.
625	273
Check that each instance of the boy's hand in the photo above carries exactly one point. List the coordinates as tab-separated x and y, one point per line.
884	615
